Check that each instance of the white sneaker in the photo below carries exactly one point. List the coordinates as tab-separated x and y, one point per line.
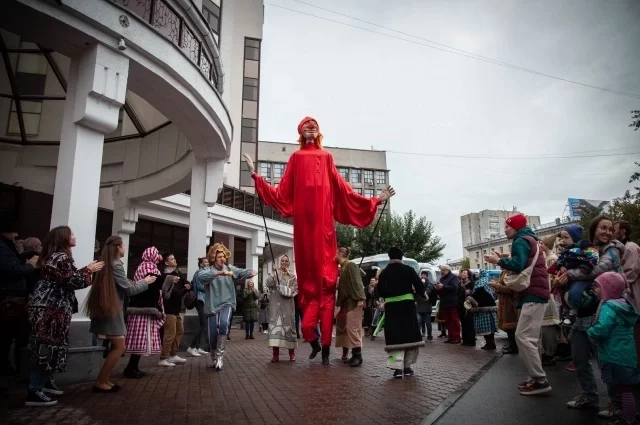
166	363
201	351
193	352
176	359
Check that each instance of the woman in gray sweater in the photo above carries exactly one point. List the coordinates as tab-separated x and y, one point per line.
106	304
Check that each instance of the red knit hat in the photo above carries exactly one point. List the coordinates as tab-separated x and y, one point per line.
304	121
517	221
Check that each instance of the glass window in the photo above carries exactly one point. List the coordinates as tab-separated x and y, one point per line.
253	82
249	93
509	247
249	148
501	250
368	193
211	13
250	109
344	172
30	114
356	175
246	122
248	134
368	176
278	170
245	178
381	177
251	69
252	53
265	169
251	42
358	190
484	251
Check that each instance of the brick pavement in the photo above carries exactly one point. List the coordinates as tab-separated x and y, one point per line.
251	390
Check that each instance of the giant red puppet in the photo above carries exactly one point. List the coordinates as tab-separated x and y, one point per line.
313	192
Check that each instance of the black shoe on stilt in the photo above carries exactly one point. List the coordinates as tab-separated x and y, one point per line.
315	349
325	355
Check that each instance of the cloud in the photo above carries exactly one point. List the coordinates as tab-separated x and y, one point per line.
370	90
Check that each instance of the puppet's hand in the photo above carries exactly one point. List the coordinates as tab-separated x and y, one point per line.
252	169
387	193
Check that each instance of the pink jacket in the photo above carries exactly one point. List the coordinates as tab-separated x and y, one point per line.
631	269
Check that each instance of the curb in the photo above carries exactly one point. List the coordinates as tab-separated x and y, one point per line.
442	408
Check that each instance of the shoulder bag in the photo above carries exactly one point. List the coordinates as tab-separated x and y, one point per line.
519	282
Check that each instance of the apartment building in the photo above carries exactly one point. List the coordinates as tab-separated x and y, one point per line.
503	245
487	225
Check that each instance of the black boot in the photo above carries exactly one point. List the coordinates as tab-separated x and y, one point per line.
356	357
325	354
315	349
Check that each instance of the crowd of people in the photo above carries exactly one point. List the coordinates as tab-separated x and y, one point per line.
570	295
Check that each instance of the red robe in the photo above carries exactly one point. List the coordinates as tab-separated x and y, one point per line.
313	192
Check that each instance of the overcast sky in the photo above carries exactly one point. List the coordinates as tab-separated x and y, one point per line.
367	90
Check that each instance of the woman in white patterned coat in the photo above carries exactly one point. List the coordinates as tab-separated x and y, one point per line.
282	320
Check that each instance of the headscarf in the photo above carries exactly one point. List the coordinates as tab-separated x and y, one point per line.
483	282
149	264
612	288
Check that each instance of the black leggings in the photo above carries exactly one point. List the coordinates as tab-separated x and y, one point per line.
134	360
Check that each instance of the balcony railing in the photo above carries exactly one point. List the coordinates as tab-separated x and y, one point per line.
248	202
185	36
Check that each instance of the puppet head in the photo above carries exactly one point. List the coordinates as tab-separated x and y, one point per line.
309	130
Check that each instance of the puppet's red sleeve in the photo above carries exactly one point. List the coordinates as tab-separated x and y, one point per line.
281	197
348	206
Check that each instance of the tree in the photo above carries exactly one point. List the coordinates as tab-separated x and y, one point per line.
466	264
414	236
635	116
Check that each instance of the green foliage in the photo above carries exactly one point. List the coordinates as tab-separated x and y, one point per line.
466	264
626	208
413	235
635	123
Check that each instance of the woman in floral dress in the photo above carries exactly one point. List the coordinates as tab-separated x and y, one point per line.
51	306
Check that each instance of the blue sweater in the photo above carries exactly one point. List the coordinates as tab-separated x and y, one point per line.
219	291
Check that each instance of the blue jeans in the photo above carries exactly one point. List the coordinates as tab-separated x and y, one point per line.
424	321
249	327
202	329
581	352
218	324
37	379
576	289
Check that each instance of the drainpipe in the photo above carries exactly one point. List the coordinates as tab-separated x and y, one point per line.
203	27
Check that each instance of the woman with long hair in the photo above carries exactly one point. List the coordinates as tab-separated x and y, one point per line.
145	316
51	306
105	306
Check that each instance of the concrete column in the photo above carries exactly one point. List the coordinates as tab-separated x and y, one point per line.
255	247
206	180
125	217
96	91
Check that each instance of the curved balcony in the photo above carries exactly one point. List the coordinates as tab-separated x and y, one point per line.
174	62
192	36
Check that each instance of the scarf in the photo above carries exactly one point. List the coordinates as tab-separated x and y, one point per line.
149	264
483	282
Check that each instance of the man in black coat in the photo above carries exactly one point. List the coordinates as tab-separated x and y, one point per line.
398	283
448	289
13	296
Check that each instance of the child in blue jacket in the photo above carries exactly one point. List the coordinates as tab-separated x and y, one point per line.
612	333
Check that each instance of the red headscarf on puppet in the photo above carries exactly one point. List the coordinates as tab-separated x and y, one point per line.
301	140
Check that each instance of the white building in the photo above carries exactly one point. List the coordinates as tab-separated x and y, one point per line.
503	245
130	118
487	225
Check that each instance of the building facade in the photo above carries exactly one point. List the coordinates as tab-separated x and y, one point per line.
502	245
487	225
